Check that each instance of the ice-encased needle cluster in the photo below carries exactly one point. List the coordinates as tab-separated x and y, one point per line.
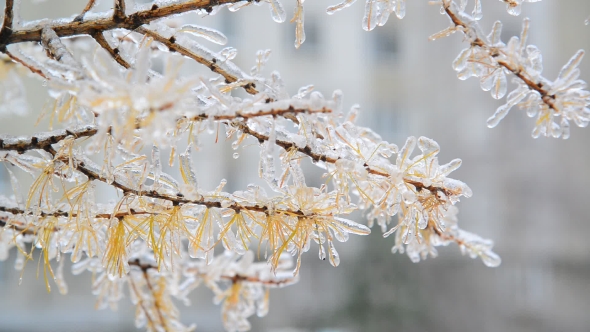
553	104
163	234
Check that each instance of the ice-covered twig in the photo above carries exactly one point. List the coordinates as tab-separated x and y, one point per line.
114	52
209	59
58	51
29	66
8	19
119	13
131	22
89	5
553	103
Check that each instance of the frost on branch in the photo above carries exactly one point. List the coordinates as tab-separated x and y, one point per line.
162	235
554	104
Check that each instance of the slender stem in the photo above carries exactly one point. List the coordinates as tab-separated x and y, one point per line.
55	48
114	52
179	198
8	18
140	302
89	6
27	229
210	63
156	301
519	71
233	278
30	67
120	21
308	151
130	22
119	14
43	140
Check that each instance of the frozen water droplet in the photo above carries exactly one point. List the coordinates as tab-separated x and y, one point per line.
322	253
333	254
236	155
491	259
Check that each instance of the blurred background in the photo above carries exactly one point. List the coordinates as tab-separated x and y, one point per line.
530	196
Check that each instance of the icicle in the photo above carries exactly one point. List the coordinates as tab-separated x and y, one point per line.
277	11
477	13
370	17
209	34
20	202
298	18
501	112
156	166
228	53
333	256
495	35
571	65
344	4
186	169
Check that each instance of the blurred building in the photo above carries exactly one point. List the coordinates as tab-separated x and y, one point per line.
529	195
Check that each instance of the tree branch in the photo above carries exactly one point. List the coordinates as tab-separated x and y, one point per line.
28	66
519	72
212	64
89	6
8	18
233	278
308	151
119	14
114	52
25	229
179	198
57	50
140	302
131	22
156	300
43	140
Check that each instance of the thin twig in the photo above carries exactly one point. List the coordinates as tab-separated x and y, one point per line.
131	22
114	52
33	229
43	140
140	302
315	156
210	63
548	99
57	50
156	301
8	18
30	67
179	198
233	278
88	7
119	13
